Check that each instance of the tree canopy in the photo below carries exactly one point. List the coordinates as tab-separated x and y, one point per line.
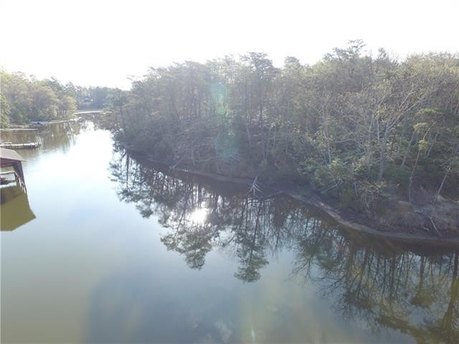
25	99
356	127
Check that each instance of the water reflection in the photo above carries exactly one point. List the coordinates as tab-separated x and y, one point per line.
61	135
14	208
411	289
51	137
415	293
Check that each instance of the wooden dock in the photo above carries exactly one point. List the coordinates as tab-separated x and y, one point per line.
29	145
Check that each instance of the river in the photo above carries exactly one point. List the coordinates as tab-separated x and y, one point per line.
119	251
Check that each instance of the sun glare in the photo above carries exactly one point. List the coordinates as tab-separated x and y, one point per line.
198	216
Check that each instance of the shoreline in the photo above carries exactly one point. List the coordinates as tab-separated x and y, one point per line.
37	125
344	218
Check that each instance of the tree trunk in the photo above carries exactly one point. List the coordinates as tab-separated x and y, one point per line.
382	151
448	169
410	185
408	149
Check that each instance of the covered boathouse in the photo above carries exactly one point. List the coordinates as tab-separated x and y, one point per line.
11	165
14	204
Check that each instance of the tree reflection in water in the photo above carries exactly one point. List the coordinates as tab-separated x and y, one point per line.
407	288
52	136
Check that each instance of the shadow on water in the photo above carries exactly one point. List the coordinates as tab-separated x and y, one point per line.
14	203
14	208
411	289
51	137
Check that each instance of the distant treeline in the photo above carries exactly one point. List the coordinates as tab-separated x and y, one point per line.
358	128
26	99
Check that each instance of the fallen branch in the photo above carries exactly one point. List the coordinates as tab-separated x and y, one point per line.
434	226
254	188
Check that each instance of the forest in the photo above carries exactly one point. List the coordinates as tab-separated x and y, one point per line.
26	99
359	129
364	131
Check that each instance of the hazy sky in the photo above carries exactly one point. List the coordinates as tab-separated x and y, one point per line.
103	42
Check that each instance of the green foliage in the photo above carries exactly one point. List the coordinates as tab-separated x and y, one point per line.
347	197
4	112
370	195
27	99
398	175
353	126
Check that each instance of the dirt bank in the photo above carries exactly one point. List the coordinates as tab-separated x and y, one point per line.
403	222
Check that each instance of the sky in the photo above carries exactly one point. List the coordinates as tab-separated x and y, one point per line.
111	42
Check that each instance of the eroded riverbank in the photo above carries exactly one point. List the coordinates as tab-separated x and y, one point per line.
403	222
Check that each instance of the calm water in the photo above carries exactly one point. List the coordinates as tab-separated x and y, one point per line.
117	251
